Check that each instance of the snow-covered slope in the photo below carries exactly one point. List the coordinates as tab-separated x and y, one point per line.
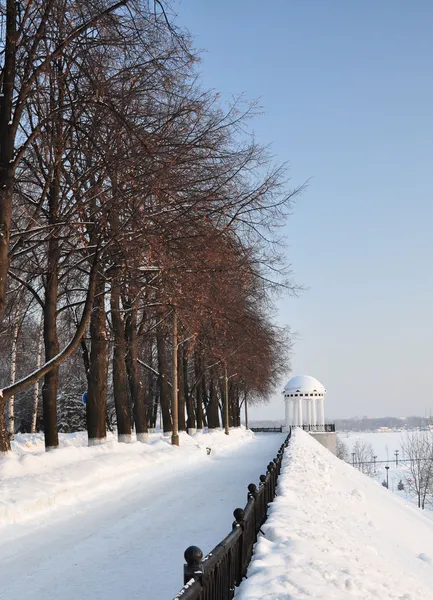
334	534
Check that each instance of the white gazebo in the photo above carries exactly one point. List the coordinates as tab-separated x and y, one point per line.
305	402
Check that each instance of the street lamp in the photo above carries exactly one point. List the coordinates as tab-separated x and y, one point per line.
374	464
353	459
387	479
396	458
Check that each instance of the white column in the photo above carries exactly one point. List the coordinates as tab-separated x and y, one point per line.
287	412
321	411
295	411
313	400
308	400
300	417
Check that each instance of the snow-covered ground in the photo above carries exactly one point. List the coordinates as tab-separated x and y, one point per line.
334	533
113	521
384	444
34	481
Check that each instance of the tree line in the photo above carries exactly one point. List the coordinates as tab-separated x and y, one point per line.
139	246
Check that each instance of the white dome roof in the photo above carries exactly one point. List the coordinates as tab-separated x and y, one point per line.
304	384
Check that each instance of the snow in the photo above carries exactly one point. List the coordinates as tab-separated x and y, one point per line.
304	383
334	533
384	444
34	481
114	521
384	447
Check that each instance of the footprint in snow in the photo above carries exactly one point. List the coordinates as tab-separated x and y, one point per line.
358	494
349	585
426	558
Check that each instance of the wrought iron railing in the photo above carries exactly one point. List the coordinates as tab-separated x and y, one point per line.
267	429
327	428
216	576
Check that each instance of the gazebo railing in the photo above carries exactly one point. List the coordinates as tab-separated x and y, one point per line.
267	429
326	428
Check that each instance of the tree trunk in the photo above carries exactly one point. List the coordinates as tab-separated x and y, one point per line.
135	383
175	384
197	393
226	419
51	341
151	394
7	138
96	405
164	389
181	392
36	386
11	419
85	355
212	407
51	379
203	387
154	408
236	409
120	378
200	390
152	388
191	422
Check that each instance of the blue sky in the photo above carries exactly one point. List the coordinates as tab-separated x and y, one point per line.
347	92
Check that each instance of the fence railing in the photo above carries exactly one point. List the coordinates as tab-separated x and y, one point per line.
216	576
327	428
267	429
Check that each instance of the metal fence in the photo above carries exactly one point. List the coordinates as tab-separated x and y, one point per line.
267	429
216	576
326	428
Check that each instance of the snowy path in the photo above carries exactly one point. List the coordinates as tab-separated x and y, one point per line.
132	544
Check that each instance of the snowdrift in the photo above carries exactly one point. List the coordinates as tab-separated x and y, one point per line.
33	481
334	534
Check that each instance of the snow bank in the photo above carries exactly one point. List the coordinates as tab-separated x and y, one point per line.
33	481
334	534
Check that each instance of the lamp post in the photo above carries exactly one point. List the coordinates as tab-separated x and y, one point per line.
374	464
353	459
396	458
387	479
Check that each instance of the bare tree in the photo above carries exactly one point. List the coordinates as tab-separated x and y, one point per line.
363	457
342	450
417	448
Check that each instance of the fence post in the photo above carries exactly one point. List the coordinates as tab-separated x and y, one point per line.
193	568
252	491
271	467
265	495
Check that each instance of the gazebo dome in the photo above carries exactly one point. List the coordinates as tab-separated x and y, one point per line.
304	384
